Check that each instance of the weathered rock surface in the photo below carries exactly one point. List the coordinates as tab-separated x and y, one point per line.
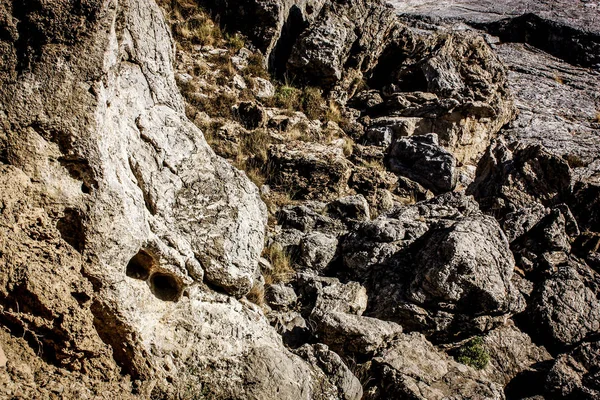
413	368
131	211
315	171
338	373
576	374
568	29
423	160
129	250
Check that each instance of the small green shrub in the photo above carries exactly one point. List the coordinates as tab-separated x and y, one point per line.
288	97
473	354
235	42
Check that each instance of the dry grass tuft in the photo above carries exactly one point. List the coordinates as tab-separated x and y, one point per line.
257	294
282	271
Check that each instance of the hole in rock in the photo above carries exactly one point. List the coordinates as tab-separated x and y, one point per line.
165	286
71	228
140	265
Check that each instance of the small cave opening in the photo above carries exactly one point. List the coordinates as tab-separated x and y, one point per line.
290	32
140	265
166	287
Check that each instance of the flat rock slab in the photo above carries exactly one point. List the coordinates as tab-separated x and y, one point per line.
578	14
558	103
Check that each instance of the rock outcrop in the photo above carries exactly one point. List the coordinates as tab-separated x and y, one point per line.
299	199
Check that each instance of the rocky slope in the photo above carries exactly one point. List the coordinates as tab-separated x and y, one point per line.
299	199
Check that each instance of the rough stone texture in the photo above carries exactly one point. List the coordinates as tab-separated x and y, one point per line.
338	373
565	310
315	171
467	267
512	353
317	250
452	84
575	375
569	29
344	34
280	296
353	334
509	179
413	368
421	158
130	210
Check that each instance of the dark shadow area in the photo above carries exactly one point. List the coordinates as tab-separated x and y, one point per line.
140	265
166	287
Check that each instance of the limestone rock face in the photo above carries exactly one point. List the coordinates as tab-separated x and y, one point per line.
316	171
345	33
468	264
132	212
413	368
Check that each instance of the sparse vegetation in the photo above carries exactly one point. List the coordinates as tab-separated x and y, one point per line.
597	119
473	354
312	102
288	97
257	294
256	66
282	265
235	42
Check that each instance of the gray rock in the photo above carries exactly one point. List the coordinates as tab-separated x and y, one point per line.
280	296
564	310
413	368
353	334
322	51
514	177
511	353
466	266
337	372
315	171
423	160
349	208
575	374
571	29
331	295
317	250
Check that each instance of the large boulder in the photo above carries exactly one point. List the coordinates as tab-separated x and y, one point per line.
313	170
565	310
413	368
467	267
516	176
423	160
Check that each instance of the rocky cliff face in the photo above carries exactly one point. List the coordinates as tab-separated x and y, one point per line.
417	217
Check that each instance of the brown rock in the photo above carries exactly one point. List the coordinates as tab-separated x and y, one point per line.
3	358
